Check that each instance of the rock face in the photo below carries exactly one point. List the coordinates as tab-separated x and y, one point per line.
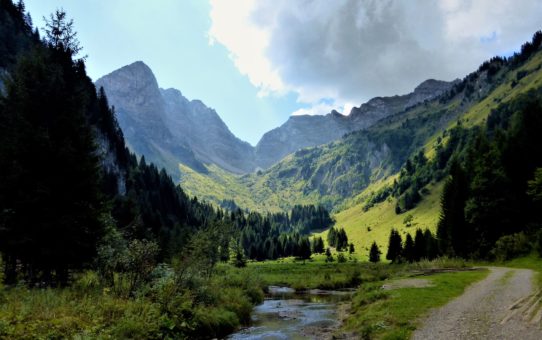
297	133
168	128
304	131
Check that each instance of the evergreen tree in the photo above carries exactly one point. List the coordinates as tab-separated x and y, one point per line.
304	245
332	237
329	257
431	245
374	253
420	246
452	227
318	245
395	246
351	248
60	33
54	209
408	251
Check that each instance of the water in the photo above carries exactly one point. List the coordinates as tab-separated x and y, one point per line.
286	314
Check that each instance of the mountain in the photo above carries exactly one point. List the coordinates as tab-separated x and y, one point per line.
349	173
168	128
306	131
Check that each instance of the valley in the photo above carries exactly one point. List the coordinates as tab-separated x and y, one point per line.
130	211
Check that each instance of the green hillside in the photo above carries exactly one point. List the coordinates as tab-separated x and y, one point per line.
382	217
342	175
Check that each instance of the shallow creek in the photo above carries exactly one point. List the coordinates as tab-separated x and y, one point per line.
287	314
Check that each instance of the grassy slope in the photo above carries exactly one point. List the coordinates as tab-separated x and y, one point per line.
219	184
381	218
268	192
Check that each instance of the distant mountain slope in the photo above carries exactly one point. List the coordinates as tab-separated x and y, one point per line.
306	131
337	173
168	128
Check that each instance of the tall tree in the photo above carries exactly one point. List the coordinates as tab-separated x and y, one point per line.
374	253
420	246
408	251
395	246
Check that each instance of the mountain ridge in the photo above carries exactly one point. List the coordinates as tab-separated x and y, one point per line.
136	96
170	129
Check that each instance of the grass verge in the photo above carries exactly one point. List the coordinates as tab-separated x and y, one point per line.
379	314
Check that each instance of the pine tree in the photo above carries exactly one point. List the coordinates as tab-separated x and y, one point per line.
452	227
304	252
395	246
374	253
420	246
329	257
408	251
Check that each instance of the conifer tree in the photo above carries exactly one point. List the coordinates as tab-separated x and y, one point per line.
420	246
408	250
374	253
395	246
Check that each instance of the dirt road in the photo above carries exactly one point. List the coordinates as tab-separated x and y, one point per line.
502	306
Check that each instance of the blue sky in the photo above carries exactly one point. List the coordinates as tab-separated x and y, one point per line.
172	39
258	62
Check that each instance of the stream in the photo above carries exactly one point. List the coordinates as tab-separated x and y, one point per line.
287	314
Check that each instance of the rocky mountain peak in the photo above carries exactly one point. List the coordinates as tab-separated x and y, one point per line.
137	85
168	128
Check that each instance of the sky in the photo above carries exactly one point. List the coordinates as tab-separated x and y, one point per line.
258	62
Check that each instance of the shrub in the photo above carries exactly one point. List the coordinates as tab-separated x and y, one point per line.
510	246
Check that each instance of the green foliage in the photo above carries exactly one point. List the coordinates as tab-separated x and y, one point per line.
50	214
408	250
379	314
374	253
395	246
487	195
60	33
511	246
238	258
337	238
535	186
317	245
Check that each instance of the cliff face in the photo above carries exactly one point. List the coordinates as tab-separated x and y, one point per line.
168	128
304	131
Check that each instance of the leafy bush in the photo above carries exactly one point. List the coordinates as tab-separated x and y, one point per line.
510	246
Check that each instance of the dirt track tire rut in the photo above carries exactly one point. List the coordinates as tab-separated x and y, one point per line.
502	306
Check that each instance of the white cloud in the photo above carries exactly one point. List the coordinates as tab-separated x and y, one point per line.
316	109
351	51
233	27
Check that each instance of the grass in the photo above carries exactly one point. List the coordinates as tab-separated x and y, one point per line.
532	261
311	274
212	308
375	224
395	314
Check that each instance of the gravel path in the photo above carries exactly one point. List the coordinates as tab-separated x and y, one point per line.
502	306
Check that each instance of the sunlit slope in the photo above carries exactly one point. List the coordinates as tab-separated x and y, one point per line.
343	173
364	227
382	218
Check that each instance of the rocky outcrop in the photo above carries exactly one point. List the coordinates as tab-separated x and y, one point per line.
168	128
297	133
304	131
